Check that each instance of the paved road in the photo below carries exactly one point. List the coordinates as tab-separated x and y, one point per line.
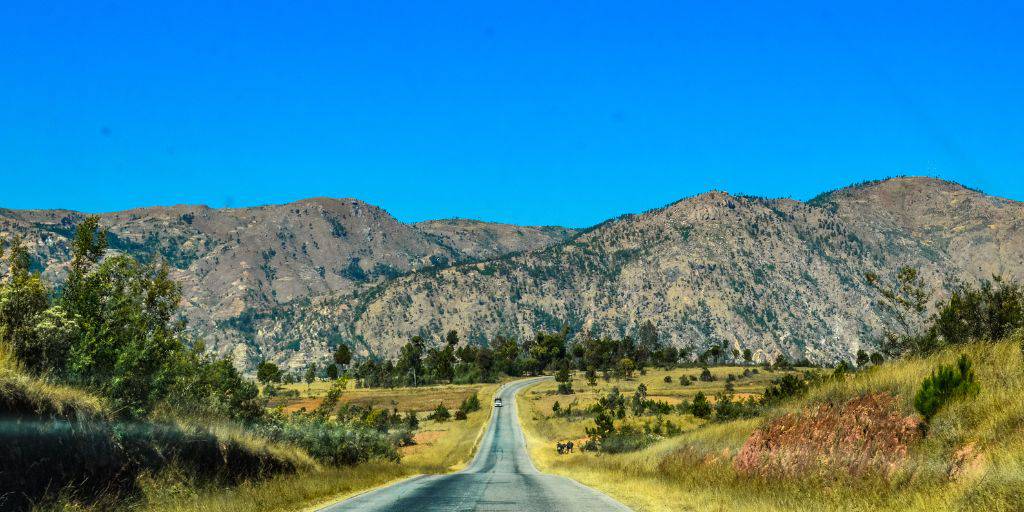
500	477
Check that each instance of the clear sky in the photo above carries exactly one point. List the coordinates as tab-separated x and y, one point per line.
550	112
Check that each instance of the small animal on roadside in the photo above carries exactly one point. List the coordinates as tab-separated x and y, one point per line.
568	446
561	448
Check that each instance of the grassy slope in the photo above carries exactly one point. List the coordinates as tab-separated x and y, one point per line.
443	447
980	442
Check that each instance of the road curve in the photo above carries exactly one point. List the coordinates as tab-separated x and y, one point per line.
501	477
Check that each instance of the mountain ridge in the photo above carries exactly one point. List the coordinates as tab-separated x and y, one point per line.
779	276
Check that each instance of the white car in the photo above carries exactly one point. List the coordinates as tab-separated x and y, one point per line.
497	402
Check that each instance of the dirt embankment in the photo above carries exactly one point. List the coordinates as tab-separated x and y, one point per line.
868	434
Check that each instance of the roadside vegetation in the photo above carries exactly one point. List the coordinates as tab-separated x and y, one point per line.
937	426
106	403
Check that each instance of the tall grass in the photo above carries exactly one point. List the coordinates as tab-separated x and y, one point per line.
451	446
971	459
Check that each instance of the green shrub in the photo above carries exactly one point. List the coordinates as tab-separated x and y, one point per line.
788	386
700	407
945	384
706	376
440	413
470	404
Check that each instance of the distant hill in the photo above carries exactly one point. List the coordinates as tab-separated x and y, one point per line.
777	276
233	263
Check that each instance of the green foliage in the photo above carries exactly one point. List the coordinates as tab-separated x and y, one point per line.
330	442
627	367
787	386
112	330
727	407
701	407
944	384
470	404
267	372
705	375
342	355
564	379
440	413
988	312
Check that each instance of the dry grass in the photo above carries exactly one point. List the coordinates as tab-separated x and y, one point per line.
418	399
972	458
21	393
447	447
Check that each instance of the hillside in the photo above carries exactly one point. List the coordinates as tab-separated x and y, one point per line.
778	276
233	262
774	275
849	443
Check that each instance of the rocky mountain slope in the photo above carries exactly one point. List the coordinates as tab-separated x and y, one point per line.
235	262
774	275
778	276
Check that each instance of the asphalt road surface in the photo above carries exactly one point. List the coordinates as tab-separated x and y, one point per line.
501	477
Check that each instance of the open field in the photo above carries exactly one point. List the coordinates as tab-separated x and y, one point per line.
442	447
418	399
542	397
971	459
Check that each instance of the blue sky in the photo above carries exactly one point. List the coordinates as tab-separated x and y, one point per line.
553	112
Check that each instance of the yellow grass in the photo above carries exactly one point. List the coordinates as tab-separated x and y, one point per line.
447	446
418	399
972	458
45	398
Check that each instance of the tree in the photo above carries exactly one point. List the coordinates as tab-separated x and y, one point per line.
440	363
40	336
876	358
332	371
862	358
627	367
701	407
639	401
648	343
907	302
944	384
506	355
310	374
452	338
267	372
990	311
410	361
748	356
342	355
564	378
705	375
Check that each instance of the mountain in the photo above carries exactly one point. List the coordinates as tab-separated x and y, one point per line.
235	263
777	276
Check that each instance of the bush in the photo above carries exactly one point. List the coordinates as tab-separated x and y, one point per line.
330	442
700	407
470	404
460	414
440	413
668	379
944	384
706	376
787	386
